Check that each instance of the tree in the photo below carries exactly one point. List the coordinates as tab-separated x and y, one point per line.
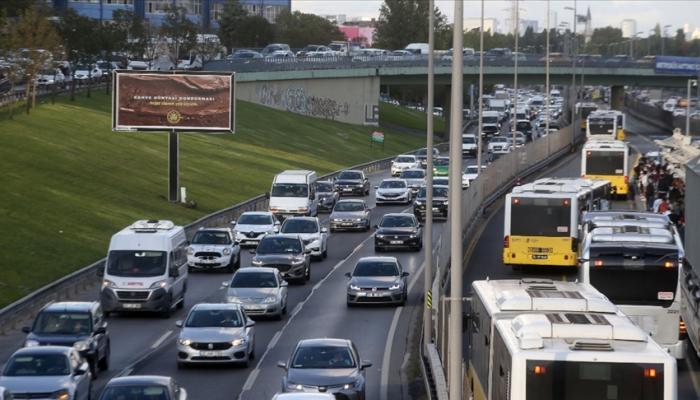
298	29
254	31
229	23
37	36
78	33
179	31
406	21
137	40
602	39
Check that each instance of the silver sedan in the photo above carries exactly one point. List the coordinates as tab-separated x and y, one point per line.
260	291
351	215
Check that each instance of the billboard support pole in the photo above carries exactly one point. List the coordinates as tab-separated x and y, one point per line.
173	166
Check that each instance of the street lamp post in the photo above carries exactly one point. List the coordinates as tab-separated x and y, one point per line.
663	40
516	34
480	125
546	82
573	76
428	277
691	83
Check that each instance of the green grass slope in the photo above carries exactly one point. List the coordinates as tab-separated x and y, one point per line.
402	116
68	182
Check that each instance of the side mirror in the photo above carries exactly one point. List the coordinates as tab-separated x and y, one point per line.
174	272
277	222
250	323
405	274
324	230
365	364
26	329
376	187
233	222
100	330
282	364
178	323
348	275
376	226
284	284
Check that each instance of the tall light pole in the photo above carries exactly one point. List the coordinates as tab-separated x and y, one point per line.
546	79
479	146
428	278
455	204
516	34
573	76
691	83
663	40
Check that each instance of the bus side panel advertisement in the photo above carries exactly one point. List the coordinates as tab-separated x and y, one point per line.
181	101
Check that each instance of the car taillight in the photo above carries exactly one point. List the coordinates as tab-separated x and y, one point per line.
506	242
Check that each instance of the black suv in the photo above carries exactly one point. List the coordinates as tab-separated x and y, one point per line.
287	253
351	182
398	230
440	208
78	324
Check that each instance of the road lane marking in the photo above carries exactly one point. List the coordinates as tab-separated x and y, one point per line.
161	339
249	385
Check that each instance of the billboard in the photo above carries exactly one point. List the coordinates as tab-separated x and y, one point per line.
167	101
677	65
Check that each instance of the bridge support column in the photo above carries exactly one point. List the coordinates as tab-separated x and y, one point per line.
617	97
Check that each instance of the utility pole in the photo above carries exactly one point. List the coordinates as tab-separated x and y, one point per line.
574	95
480	125
546	79
455	206
428	243
516	33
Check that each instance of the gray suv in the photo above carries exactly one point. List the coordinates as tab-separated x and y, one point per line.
287	253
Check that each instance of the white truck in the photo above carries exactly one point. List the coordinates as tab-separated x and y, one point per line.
293	193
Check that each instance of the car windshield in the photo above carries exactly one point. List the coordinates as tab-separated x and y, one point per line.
443	162
214	319
472	169
279	245
468	139
255	219
129	263
211	237
499	140
290	190
397	221
405	160
422	152
37	365
393	185
413	174
322	357
254	280
437	192
145	392
351	175
489	120
297	225
349	206
441	181
376	268
62	323
324	187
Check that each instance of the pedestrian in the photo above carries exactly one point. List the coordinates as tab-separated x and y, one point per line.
663	207
649	192
657	203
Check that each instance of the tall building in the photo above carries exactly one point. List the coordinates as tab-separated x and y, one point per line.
629	28
205	13
588	31
528	23
490	24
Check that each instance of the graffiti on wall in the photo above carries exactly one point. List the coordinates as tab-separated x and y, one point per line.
296	100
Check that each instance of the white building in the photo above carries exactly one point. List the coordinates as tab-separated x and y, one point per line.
629	28
490	24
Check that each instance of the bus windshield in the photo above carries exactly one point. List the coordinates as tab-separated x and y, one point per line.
601	126
581	380
605	163
635	275
540	217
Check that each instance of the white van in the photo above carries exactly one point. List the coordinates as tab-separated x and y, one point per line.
417	48
146	268
293	193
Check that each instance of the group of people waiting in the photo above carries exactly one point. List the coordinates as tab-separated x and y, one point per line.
662	191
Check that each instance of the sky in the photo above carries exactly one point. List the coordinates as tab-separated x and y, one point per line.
603	12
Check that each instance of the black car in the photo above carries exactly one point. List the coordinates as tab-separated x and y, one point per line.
143	387
75	324
287	253
352	182
377	280
398	230
440	208
488	131
326	365
526	128
327	196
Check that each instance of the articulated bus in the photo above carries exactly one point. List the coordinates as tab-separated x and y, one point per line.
583	110
609	160
545	340
635	258
541	220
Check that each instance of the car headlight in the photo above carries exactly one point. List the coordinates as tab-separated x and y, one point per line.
108	283
297	259
419	203
412	236
395	286
62	394
184	342
81	345
31	343
233	300
190	251
239	342
354	287
159	284
257	262
227	251
381	236
270	299
358	219
444	203
350	385
336	220
294	386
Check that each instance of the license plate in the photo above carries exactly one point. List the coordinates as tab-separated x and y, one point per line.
132	306
374	294
346	224
208	261
435	209
254	307
209	353
347	190
396	242
540	257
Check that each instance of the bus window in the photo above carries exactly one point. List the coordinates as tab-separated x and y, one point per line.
540	217
605	163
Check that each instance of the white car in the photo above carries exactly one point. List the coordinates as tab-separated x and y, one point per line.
499	145
214	248
402	162
85	72
309	229
50	77
393	191
470	173
469	145
252	226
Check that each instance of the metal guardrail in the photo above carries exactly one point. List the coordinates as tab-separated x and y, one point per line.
71	284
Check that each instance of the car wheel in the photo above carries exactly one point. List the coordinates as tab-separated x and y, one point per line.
377	249
349	304
307	275
168	308
94	370
325	253
103	364
238	261
229	268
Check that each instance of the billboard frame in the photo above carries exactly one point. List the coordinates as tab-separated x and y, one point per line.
167	128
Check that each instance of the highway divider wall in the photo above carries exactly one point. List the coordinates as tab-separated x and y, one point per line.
658	117
490	185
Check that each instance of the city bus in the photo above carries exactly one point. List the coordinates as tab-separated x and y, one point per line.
608	160
541	220
620	124
606	125
548	340
635	261
583	110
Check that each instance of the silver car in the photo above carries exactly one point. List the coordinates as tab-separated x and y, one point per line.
260	291
253	226
309	229
393	191
414	177
216	333
350	215
214	248
303	396
143	387
47	372
377	280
